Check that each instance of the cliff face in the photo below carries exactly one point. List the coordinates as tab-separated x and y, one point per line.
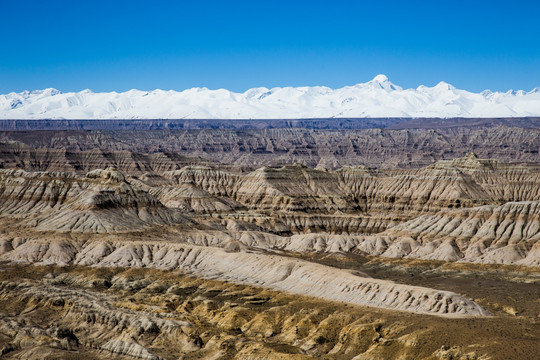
21	156
101	201
505	234
466	209
254	148
462	183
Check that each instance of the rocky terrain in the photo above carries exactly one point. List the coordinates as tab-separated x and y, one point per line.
278	243
414	145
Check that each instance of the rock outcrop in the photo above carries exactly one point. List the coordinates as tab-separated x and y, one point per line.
101	201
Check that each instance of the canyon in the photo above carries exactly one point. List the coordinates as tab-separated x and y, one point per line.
392	240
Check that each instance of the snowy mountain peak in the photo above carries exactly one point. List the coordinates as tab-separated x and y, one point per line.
380	78
50	92
444	86
381	82
376	98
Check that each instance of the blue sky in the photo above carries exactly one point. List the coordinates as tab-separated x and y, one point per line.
121	45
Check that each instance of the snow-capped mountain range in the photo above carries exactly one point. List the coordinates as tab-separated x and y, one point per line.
375	99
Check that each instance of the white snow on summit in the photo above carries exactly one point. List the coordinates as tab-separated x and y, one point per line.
376	98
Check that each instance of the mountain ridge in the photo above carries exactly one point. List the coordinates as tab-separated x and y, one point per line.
377	98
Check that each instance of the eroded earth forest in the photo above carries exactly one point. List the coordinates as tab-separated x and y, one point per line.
351	239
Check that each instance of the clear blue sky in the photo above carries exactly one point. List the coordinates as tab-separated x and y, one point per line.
120	45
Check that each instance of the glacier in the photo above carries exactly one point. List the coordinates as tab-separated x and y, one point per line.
378	98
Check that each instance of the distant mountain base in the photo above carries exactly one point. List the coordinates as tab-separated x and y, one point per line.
197	124
243	124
